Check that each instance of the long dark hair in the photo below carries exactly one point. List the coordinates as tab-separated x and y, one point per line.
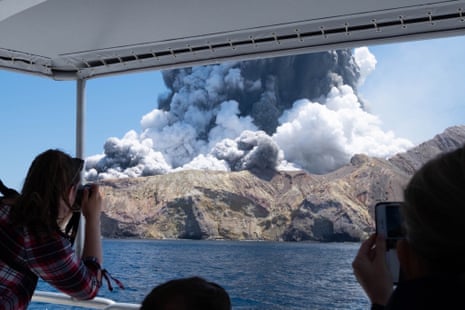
49	179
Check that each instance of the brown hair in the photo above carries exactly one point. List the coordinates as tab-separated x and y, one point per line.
49	178
187	294
434	212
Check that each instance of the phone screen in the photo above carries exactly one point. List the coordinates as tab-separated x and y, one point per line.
389	224
393	221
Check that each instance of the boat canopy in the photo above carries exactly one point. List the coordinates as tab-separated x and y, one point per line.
73	40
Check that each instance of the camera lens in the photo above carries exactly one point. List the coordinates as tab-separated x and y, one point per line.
80	192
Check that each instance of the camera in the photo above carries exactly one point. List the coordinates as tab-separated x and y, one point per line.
389	224
80	192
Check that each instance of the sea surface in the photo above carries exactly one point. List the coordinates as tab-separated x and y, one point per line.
257	275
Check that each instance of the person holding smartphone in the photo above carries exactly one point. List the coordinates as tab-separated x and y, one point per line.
432	254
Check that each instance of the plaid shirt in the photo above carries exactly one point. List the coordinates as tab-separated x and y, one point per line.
48	256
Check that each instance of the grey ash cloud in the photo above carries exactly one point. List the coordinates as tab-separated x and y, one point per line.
295	112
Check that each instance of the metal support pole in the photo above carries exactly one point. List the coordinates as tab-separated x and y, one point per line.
80	126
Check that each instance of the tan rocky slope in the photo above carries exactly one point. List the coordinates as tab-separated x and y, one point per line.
265	205
252	206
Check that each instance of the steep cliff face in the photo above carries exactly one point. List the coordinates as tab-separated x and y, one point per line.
247	206
264	205
450	139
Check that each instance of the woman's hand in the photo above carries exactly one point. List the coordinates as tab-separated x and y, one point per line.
91	203
371	270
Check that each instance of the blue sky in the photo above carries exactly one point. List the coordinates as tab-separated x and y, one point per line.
415	90
416	87
39	113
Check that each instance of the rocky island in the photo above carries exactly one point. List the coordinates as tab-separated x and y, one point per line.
264	204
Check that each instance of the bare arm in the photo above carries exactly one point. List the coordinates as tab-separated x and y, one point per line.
91	210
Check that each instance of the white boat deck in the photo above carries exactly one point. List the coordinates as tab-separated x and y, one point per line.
96	303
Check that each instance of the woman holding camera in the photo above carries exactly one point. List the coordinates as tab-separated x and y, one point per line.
32	235
432	256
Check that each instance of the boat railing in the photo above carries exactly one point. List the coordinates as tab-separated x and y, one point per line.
96	303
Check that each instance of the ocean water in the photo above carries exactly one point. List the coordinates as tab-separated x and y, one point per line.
257	275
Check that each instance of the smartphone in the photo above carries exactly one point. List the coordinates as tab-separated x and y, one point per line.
389	224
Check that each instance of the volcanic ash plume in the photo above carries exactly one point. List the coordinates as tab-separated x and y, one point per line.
280	113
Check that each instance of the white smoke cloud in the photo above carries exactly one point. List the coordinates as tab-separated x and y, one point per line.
137	155
228	124
321	137
235	116
366	61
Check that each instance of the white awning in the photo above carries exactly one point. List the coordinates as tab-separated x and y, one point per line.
80	39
